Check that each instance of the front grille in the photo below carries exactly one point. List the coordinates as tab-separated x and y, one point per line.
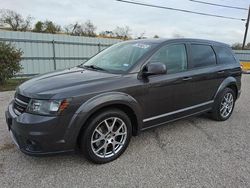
20	104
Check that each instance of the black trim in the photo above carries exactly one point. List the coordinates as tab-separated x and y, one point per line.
38	154
156	125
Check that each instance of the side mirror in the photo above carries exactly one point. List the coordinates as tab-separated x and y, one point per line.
154	69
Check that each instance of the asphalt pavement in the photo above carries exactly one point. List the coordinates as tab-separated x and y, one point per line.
194	152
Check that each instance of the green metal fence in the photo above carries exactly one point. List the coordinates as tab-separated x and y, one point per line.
47	52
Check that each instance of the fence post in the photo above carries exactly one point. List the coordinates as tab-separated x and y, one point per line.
99	47
54	53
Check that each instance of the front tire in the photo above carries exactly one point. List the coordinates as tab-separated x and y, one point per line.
107	136
224	105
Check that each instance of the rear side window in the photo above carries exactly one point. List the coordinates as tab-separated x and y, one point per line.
224	55
173	56
202	56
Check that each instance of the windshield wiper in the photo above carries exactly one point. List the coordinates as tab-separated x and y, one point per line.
93	67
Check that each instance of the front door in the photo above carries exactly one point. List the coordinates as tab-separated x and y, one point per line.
169	93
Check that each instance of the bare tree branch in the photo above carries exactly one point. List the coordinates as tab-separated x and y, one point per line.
15	20
122	32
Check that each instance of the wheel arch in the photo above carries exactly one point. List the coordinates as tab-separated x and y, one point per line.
88	109
234	88
229	82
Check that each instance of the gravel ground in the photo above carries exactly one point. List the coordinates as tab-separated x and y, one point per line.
195	152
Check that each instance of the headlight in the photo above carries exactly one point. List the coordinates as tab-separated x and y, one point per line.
47	107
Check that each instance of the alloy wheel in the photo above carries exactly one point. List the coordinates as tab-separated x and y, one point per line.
226	106
109	137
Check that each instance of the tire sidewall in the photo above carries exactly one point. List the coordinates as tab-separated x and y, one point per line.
85	143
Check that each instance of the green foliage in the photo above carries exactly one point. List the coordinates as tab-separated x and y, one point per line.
11	84
51	27
38	27
46	27
9	61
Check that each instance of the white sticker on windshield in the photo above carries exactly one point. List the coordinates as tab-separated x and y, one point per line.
125	65
140	45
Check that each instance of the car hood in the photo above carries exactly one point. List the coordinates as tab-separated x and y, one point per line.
60	82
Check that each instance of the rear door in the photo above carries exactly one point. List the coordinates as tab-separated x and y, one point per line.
203	65
227	63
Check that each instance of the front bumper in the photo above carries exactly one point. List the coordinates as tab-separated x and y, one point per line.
37	135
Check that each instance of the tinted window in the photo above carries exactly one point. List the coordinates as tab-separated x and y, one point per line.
202	56
174	57
224	55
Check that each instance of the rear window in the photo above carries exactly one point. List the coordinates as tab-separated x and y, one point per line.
202	56
224	55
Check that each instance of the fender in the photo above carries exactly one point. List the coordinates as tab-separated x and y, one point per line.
227	82
94	104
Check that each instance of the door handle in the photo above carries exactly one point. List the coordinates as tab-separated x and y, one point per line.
187	78
221	72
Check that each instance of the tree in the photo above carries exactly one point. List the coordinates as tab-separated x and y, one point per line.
46	27
15	20
156	36
39	27
107	34
50	27
9	61
89	29
74	29
247	46
122	32
237	46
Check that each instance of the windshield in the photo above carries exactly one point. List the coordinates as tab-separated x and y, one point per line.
119	57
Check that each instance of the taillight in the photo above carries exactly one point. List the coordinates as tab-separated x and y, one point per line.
241	66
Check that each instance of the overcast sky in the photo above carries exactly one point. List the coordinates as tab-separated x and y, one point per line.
107	14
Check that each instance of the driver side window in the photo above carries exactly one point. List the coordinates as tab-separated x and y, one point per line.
173	56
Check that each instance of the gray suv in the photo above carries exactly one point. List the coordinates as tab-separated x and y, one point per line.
130	87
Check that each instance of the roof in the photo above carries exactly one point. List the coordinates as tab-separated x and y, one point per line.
164	40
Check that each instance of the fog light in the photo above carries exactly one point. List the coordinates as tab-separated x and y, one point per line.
33	146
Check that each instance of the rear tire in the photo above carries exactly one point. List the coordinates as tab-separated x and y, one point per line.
224	105
107	136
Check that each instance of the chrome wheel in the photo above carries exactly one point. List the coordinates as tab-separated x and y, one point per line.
227	104
109	137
